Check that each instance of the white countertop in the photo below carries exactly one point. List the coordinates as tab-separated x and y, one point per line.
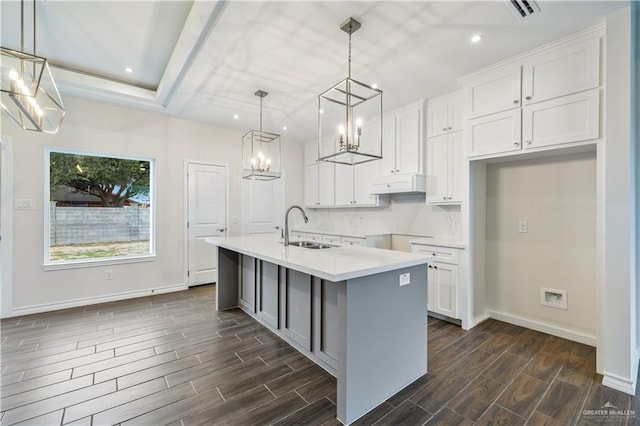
333	264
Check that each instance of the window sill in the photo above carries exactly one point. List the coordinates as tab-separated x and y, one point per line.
89	263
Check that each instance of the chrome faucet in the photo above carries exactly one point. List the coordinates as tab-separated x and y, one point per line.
286	222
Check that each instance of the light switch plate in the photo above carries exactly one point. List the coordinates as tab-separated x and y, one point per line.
405	279
25	204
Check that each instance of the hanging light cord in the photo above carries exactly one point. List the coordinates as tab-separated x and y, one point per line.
260	116
349	57
34	27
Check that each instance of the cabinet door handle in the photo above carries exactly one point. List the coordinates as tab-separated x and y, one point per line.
444	198
450	127
388	186
276	227
397	171
444	129
516	144
516	102
435	267
528	98
448	198
391	171
222	229
528	142
433	254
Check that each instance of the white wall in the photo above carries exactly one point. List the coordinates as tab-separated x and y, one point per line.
405	214
91	126
557	198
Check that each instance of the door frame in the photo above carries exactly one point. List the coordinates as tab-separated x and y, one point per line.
185	210
6	216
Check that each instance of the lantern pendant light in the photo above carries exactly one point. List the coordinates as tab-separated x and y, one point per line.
261	151
350	117
29	94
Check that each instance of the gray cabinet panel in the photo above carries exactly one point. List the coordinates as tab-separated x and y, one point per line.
329	338
297	308
248	284
268	293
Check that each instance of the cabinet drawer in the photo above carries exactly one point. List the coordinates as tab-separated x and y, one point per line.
298	236
442	254
313	237
333	239
351	241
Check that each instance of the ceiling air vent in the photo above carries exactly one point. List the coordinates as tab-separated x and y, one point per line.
523	8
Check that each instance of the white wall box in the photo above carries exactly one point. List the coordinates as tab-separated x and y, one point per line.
442	279
402	145
445	114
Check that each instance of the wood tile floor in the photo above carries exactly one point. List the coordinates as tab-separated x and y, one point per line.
172	359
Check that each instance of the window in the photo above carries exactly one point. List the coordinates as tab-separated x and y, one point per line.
101	208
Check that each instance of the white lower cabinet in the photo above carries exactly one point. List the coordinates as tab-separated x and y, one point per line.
442	279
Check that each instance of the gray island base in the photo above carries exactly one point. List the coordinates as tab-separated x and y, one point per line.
368	331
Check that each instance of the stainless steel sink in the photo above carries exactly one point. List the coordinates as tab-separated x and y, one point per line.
311	244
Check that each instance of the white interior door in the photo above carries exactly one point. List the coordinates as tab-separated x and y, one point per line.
262	206
207	217
6	226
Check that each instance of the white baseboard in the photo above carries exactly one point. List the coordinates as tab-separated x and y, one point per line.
621	384
48	307
468	325
544	328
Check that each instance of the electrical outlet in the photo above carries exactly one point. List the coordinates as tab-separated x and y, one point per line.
405	279
523	227
108	274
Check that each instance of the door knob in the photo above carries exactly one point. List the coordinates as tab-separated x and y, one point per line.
516	102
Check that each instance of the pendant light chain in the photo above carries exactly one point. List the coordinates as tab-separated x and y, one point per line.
349	60
261	115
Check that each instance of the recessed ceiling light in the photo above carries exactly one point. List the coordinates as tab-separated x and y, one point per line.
374	86
128	69
284	127
476	38
236	116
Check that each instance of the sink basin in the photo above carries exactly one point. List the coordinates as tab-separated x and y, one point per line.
310	244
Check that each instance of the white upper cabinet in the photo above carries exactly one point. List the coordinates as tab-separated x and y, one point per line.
496	91
561	71
351	185
561	120
445	146
319	178
559	103
403	142
495	133
445	115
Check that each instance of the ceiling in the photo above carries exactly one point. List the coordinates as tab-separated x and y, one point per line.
204	60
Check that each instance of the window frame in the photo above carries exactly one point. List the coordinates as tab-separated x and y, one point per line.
49	265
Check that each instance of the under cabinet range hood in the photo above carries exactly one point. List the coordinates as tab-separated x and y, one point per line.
398	184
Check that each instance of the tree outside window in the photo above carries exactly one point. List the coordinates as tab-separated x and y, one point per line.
100	207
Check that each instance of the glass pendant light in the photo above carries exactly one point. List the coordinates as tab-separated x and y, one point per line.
29	94
350	117
261	151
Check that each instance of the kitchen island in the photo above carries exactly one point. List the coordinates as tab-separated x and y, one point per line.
358	312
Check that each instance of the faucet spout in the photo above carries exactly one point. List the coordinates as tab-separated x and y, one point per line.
286	221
